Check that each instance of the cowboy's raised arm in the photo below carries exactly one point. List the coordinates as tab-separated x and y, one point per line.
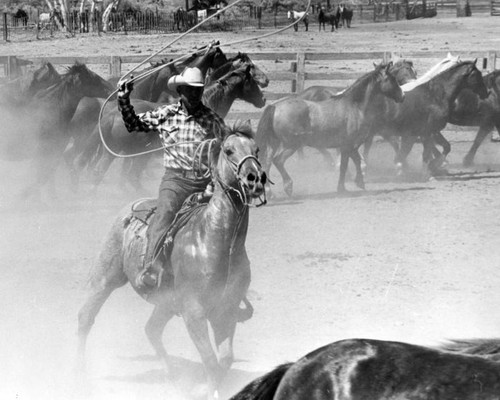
143	122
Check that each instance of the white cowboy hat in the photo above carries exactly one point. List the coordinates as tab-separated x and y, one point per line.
190	77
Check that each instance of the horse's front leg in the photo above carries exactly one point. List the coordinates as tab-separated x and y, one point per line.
155	326
197	326
344	160
481	134
224	328
407	143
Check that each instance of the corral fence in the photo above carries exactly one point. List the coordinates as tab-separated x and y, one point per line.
36	26
288	72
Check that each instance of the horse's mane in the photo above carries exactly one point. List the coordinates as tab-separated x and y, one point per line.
226	67
67	79
459	64
487	348
490	80
217	90
243	127
357	89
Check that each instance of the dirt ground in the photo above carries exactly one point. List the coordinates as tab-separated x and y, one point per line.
413	260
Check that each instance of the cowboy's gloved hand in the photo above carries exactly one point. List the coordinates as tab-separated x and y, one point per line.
125	87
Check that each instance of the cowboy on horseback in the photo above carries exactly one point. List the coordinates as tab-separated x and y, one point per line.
181	127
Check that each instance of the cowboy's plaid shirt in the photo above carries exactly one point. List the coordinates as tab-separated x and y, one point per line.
175	127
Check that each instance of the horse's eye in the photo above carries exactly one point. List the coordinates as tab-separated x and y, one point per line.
228	152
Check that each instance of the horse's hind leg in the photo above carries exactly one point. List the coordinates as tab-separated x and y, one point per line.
355	156
154	331
279	161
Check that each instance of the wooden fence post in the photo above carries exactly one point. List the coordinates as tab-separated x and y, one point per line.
301	71
386	57
115	66
5	29
293	68
12	67
492	60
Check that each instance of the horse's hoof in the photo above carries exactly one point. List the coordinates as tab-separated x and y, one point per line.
360	184
288	187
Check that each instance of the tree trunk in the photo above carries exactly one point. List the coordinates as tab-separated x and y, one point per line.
64	9
107	12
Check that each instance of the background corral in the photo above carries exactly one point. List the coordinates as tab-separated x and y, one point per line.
414	261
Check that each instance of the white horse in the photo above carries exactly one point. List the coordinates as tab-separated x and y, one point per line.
296	16
44	20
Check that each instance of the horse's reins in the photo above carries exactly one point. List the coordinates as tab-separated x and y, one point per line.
159	67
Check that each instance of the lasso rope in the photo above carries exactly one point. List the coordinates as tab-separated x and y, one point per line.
155	69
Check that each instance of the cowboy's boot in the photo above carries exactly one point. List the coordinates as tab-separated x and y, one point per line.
150	277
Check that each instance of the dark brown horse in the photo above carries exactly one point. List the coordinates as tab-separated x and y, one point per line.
404	72
327	17
219	95
204	281
427	109
364	369
470	110
341	121
15	98
18	92
51	111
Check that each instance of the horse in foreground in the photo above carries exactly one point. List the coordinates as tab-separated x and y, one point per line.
364	369
293	15
342	121
206	272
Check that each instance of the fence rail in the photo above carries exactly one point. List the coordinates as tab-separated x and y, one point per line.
288	72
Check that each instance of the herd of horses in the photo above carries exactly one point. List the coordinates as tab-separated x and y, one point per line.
208	287
338	16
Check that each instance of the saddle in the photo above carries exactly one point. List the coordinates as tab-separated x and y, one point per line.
143	210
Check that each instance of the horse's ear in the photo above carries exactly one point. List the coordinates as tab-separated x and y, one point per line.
222	82
475	61
389	65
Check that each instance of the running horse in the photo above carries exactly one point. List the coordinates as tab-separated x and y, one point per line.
356	369
470	110
207	274
426	111
47	117
341	121
297	16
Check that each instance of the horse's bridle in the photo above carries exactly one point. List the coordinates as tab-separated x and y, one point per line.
241	193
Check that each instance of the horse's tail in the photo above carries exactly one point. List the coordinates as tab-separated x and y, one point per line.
263	388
